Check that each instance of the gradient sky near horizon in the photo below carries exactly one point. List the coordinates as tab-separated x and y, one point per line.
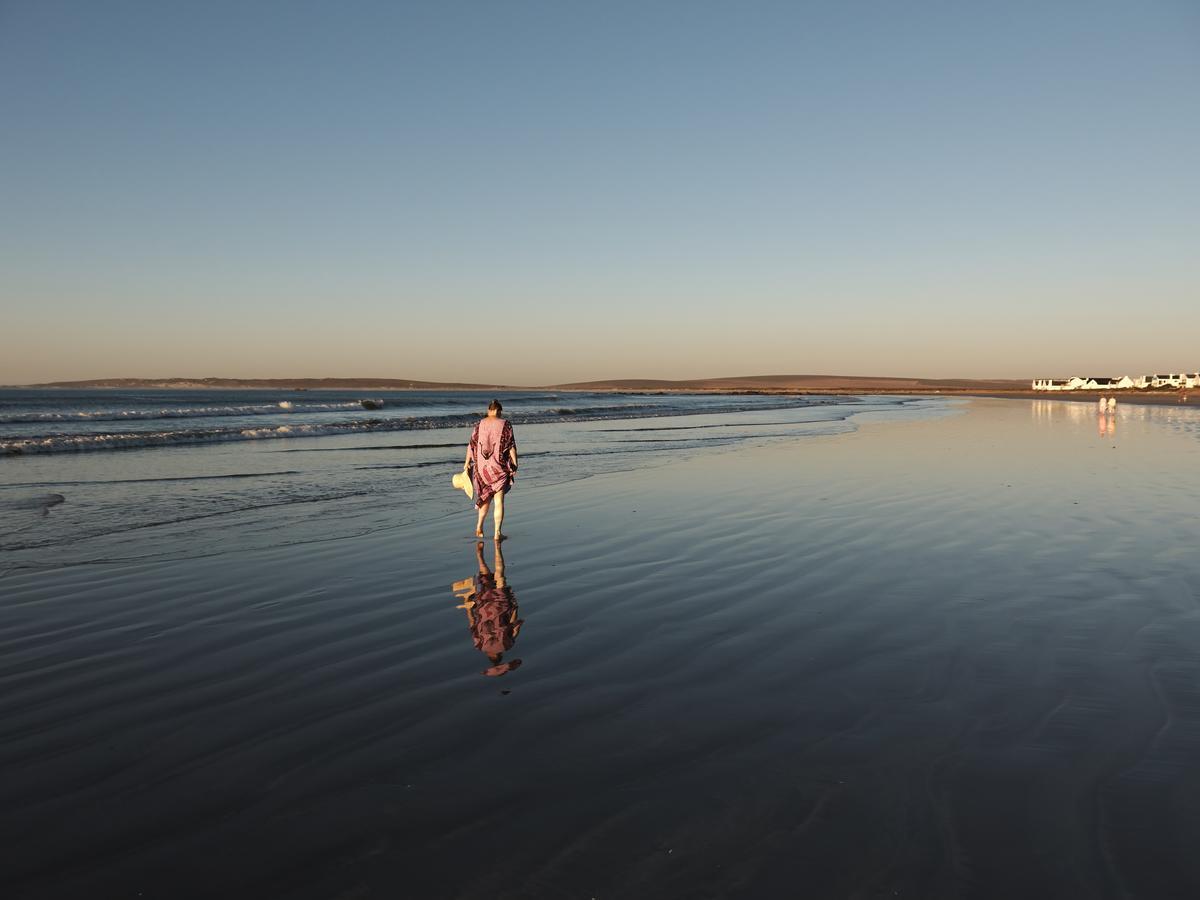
545	192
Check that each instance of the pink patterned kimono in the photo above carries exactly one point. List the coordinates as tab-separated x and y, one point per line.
493	470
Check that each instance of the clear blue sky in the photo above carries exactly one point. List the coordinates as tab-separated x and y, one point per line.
540	192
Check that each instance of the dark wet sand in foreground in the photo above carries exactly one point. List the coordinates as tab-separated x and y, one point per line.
955	658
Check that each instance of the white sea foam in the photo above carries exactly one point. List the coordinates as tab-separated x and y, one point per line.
64	441
185	412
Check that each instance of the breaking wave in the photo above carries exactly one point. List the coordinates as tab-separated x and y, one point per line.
63	442
185	412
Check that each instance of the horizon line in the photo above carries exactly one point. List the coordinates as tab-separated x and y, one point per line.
766	380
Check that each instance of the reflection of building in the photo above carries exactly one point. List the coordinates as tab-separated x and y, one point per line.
1075	413
1051	412
1125	382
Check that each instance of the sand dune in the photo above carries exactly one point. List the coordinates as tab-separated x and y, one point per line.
801	383
734	383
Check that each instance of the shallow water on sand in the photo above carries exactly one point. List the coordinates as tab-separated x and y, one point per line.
95	504
955	657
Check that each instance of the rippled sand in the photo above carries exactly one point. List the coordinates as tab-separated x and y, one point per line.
951	658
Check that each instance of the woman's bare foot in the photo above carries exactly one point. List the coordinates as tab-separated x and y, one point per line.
479	534
500	537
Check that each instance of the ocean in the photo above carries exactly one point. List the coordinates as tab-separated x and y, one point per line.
105	474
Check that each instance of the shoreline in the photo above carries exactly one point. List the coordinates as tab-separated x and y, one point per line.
837	387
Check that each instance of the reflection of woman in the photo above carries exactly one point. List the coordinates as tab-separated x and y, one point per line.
491	612
493	454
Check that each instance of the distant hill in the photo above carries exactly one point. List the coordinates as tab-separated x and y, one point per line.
801	383
764	383
279	383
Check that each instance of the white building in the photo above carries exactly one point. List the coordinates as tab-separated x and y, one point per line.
1125	382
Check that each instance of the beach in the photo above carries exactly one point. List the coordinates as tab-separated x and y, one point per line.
927	648
770	385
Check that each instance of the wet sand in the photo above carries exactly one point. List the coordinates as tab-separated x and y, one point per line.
949	658
1138	398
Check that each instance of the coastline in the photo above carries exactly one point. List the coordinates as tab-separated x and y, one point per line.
753	383
815	386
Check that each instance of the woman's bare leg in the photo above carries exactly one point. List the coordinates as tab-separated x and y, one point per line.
498	516
479	521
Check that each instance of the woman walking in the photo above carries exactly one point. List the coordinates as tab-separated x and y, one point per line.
492	465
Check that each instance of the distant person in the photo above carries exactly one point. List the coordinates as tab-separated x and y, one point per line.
492	465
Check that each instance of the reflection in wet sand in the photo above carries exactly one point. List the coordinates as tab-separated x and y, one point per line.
1133	417
953	659
1105	416
491	608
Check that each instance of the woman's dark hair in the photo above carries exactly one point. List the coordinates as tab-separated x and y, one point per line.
497	406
